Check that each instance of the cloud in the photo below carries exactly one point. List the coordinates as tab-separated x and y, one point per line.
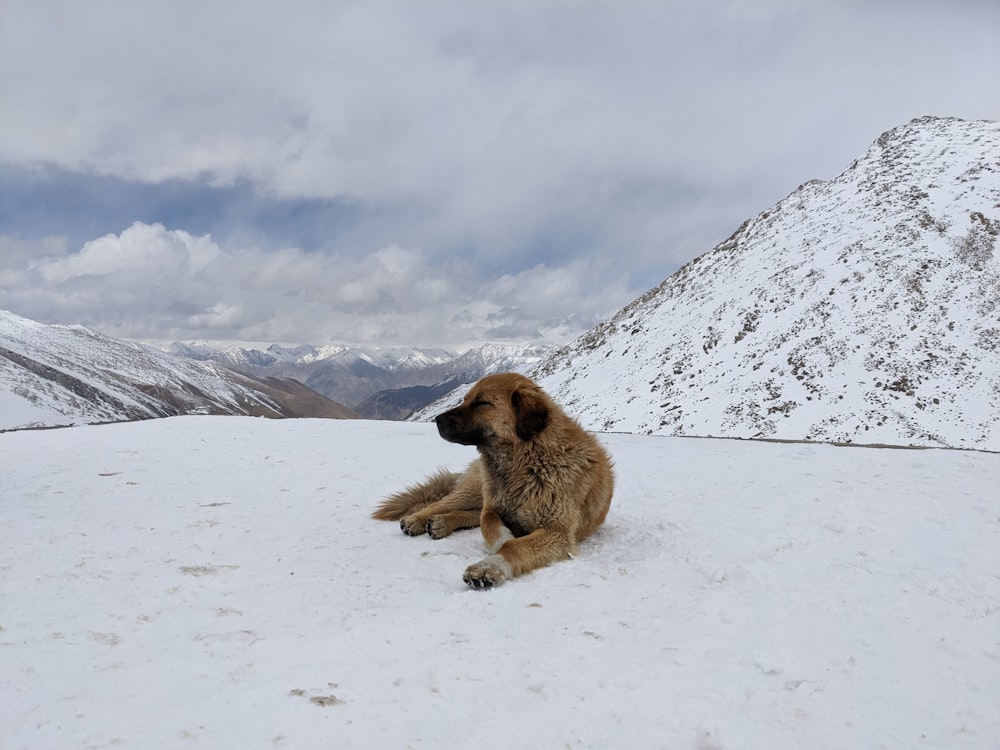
483	141
379	101
153	283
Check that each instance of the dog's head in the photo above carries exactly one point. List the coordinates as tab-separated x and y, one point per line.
498	409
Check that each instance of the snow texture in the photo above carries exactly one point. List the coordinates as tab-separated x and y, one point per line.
864	309
216	582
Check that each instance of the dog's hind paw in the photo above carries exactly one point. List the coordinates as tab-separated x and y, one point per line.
437	527
487	573
412	526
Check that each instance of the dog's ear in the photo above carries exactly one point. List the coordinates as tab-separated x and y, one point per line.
530	412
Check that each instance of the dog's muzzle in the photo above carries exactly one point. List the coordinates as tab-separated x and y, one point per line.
452	428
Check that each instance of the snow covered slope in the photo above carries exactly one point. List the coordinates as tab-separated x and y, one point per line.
864	309
61	375
212	582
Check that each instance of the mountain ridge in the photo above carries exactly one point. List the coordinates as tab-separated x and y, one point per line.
376	382
56	375
862	308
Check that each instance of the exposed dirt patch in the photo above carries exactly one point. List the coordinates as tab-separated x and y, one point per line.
206	570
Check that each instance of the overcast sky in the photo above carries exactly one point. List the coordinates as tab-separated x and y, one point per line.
430	173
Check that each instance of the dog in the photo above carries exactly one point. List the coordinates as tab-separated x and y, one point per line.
540	485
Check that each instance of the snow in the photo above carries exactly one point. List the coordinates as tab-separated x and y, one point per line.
864	309
217	582
21	412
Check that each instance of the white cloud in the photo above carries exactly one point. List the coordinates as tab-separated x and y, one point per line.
480	110
140	252
486	148
153	283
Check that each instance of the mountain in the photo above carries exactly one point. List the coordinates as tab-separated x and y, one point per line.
346	374
392	358
400	403
474	365
376	382
865	309
58	375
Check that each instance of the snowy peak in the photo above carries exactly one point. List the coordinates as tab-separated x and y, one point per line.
861	309
493	358
58	375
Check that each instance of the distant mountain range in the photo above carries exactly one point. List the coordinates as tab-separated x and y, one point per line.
52	375
375	382
861	309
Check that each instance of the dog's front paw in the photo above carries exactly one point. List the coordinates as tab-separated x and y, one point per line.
437	527
412	525
487	573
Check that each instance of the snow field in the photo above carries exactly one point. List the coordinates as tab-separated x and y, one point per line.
216	582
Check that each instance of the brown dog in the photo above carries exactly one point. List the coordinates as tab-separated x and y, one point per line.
540	485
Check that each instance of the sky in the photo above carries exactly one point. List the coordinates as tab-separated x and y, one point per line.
431	174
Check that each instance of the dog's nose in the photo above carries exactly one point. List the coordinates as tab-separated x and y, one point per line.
445	417
446	423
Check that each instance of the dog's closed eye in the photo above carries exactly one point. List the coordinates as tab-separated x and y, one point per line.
480	402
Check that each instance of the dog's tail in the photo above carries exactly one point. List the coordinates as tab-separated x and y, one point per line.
417	496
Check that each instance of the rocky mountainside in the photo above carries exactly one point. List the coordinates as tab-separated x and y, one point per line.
58	375
401	403
376	382
861	309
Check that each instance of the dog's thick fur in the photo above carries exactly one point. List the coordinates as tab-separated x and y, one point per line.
540	485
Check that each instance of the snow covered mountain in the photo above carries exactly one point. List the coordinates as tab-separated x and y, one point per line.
492	358
377	382
58	375
395	358
861	309
474	365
